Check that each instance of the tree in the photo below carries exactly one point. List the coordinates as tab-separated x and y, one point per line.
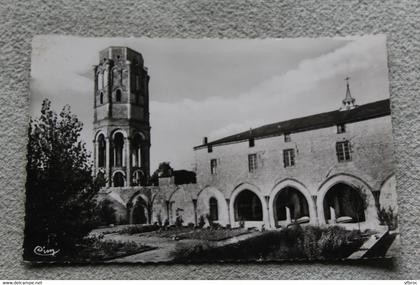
60	191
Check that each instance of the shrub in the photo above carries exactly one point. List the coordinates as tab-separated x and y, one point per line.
179	221
336	242
201	221
388	217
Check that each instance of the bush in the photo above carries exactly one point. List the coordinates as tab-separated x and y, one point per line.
179	221
388	217
336	242
138	229
201	222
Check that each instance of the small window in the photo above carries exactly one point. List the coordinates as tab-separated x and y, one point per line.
287	137
341	128
118	95
289	157
213	166
251	142
209	148
343	151
214	211
252	162
101	98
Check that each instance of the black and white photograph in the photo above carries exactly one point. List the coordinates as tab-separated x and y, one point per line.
144	150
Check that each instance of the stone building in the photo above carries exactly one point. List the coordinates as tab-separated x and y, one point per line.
329	168
121	117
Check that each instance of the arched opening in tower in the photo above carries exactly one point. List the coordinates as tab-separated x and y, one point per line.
101	150
248	207
344	204
118	179
136	158
118	149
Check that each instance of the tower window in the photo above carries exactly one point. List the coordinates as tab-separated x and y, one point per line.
341	128
252	162
213	166
118	95
101	98
251	142
118	149
289	157
287	137
343	151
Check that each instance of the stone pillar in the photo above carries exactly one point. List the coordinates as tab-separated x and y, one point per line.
332	214
228	209
288	217
195	211
315	200
167	210
267	200
95	158
128	89
108	160
127	143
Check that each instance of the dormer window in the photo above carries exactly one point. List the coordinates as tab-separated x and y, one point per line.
287	137
251	142
341	128
209	148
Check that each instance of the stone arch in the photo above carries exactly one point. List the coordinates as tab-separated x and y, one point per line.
119	130
233	211
138	177
118	179
181	204
354	183
97	134
203	207
388	193
300	188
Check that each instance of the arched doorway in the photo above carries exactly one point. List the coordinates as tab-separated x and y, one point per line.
344	204
248	207
290	205
139	211
118	180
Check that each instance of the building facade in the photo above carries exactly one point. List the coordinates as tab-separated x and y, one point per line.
325	169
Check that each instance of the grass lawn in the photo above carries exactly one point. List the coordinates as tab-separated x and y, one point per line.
199	234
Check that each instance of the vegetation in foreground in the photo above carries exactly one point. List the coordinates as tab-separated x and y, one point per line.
60	190
292	243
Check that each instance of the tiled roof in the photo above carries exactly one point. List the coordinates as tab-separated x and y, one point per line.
322	120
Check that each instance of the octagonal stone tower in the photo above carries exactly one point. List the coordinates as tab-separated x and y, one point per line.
121	118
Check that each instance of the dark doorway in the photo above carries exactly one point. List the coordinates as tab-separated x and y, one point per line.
248	207
139	212
294	200
346	201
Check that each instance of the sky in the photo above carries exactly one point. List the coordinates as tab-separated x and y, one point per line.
214	87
